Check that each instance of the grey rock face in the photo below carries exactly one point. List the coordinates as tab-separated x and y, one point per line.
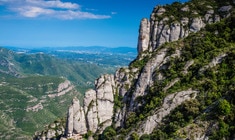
183	30
225	8
123	80
143	35
146	75
98	109
175	31
91	110
50	134
120	117
214	62
90	96
185	9
161	32
158	30
105	93
187	65
160	11
197	24
76	123
70	122
217	18
92	119
79	122
209	16
170	103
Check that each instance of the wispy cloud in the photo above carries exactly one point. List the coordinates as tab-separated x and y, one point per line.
51	9
113	13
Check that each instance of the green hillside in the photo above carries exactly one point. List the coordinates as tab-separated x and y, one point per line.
213	108
80	73
27	80
18	95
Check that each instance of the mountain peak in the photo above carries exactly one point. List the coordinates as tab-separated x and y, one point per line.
173	22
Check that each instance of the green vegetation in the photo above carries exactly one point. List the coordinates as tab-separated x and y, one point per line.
140	61
26	81
108	133
18	94
80	73
215	83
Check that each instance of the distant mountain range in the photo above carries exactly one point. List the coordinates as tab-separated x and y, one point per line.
117	57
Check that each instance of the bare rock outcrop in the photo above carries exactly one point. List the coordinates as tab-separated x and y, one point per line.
104	94
76	123
162	27
62	89
35	108
90	107
197	24
214	62
144	35
170	102
97	111
145	77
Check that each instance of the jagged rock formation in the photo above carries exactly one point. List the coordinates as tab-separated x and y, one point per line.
76	119
163	28
143	35
164	78
54	129
97	111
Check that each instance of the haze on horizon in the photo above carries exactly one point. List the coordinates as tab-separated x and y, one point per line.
61	23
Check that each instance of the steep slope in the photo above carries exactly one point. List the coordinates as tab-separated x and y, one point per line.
181	85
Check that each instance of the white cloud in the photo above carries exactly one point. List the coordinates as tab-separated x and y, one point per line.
53	4
28	11
51	9
113	13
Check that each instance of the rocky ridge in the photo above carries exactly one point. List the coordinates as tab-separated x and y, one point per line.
152	34
118	99
97	111
165	27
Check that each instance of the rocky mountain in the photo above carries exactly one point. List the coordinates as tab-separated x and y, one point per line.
180	86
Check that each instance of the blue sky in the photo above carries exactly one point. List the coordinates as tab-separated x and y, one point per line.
56	23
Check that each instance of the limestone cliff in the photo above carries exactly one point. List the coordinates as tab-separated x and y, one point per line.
97	111
164	26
